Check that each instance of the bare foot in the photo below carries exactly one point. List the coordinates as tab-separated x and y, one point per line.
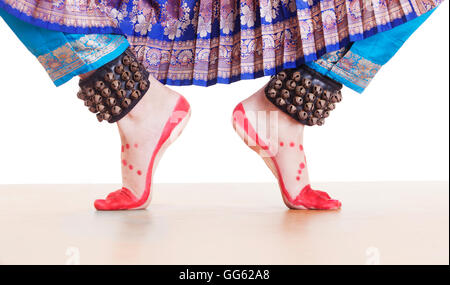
153	124
279	140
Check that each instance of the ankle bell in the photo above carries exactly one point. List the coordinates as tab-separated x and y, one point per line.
113	90
304	94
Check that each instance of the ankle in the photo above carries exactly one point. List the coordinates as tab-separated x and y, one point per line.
275	119
157	99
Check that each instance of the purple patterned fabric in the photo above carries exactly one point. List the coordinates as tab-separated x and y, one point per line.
201	42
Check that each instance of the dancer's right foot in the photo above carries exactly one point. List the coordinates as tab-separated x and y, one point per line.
153	124
280	142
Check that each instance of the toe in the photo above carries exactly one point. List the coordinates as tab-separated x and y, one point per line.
100	205
323	194
121	199
314	199
330	205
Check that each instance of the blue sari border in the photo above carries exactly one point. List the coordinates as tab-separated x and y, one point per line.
82	55
92	66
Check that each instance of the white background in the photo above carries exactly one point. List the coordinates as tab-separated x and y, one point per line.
397	130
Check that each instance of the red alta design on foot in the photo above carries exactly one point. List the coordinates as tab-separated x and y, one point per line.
307	198
124	199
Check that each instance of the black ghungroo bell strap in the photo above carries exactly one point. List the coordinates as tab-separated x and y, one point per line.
304	94
115	88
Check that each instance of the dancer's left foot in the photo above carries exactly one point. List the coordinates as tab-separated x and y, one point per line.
280	143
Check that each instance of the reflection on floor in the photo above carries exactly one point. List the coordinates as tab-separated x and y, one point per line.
380	223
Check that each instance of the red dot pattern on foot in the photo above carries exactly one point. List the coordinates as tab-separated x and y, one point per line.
302	165
301	147
281	143
292	144
124	161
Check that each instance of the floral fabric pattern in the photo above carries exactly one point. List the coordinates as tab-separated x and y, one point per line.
204	42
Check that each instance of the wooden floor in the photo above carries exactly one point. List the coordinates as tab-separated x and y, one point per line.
380	223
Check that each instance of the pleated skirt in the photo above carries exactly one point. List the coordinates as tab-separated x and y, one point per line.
184	42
